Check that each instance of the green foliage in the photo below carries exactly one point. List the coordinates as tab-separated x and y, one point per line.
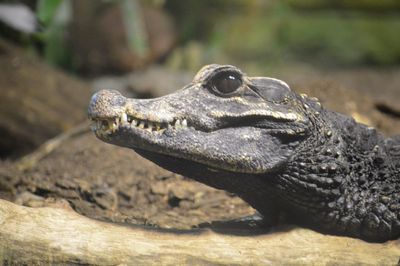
134	26
46	9
324	36
327	32
55	16
350	38
196	19
371	5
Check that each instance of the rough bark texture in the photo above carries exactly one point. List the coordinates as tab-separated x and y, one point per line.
59	235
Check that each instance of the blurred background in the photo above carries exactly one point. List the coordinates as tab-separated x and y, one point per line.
150	48
114	37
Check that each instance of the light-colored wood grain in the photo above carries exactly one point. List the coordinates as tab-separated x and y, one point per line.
51	235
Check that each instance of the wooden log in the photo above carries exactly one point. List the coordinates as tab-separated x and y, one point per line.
51	235
37	101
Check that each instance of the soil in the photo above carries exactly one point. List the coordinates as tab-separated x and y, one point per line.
111	183
114	184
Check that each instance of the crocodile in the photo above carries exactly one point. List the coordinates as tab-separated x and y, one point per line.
280	151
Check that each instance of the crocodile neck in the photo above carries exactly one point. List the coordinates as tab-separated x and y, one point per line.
340	181
345	182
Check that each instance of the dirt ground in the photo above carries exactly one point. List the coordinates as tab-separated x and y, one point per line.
115	184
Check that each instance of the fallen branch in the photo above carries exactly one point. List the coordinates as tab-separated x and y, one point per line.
52	235
31	160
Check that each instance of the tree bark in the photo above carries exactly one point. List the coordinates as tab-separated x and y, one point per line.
51	235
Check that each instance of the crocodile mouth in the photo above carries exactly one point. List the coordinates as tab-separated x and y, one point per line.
107	126
104	127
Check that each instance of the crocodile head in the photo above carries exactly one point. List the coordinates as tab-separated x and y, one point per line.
223	120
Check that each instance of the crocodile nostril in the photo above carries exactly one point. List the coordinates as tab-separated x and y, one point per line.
106	103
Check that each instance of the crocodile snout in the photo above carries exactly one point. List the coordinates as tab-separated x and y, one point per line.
106	104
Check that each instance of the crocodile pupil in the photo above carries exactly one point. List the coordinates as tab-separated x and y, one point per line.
227	83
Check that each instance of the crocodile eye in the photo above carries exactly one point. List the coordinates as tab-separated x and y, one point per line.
226	82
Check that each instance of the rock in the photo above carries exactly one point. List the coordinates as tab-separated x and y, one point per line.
101	41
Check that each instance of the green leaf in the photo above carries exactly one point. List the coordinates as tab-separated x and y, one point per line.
46	10
134	26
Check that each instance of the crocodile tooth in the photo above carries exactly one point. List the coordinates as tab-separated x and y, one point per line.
184	123
178	123
113	126
141	124
158	126
124	118
150	126
134	122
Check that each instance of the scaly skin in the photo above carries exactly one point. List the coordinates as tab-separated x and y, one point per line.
281	152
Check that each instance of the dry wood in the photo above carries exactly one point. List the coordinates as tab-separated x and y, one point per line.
59	235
